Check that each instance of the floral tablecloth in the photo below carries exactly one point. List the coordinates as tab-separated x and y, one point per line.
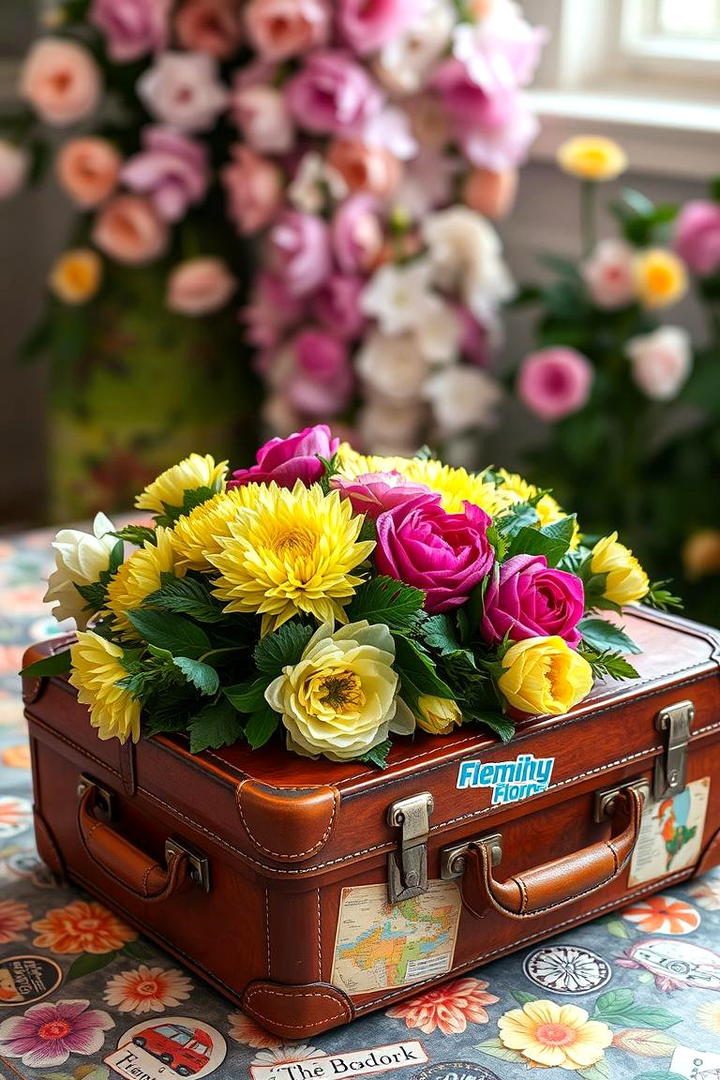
635	994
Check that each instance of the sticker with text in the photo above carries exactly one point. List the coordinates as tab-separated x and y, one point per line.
671	834
379	1059
168	1048
509	781
26	979
695	1064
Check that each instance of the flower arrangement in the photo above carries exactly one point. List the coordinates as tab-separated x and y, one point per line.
340	599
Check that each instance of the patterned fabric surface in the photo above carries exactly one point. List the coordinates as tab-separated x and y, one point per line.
632	995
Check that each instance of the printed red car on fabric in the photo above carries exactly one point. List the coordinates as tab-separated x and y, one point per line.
183	1050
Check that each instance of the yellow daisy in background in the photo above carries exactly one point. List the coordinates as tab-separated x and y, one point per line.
557	1036
592	157
291	553
191	473
96	669
197	534
660	277
76	276
140	576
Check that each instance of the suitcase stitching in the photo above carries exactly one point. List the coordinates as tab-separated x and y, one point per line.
267	930
344	1013
318	929
298	854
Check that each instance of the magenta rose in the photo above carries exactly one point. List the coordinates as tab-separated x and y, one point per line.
374	493
367	27
132	28
300	251
322	382
270	312
531	599
697	236
336	305
333	95
286	460
172	170
445	555
555	382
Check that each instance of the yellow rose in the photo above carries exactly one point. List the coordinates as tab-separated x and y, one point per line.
438	715
660	277
76	276
626	582
340	699
545	676
592	157
701	554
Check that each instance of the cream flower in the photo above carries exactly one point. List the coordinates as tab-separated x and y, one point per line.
661	361
96	670
404	64
438	715
556	1036
462	398
466	254
147	990
393	366
80	559
193	472
341	700
397	295
313	181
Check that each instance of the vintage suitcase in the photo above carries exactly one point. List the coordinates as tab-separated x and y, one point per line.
310	893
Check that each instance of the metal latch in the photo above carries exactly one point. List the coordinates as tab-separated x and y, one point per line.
671	768
407	866
199	866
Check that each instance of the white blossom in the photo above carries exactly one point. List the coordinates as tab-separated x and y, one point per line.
462	397
395	295
393	366
80	558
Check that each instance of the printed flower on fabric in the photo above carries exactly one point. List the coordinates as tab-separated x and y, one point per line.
280	1054
14	918
47	1034
448	1008
15	816
146	989
706	892
708	1016
81	927
245	1030
662	915
554	1035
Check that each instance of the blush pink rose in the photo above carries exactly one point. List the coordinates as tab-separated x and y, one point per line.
279	29
322	382
262	115
697	236
373	169
336	305
445	555
530	599
14	163
88	170
253	187
366	27
374	493
555	382
271	311
661	361
132	28
357	234
490	193
333	95
172	170
209	26
286	460
130	230
502	135
609	274
183	90
200	286
299	251
61	81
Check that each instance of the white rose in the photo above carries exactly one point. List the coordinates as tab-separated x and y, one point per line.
392	366
396	295
80	558
661	361
609	274
405	62
461	398
14	163
313	182
466	255
438	331
390	427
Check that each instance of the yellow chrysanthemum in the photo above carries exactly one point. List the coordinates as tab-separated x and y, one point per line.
140	576
592	157
660	277
291	553
197	534
515	489
191	473
557	1036
96	670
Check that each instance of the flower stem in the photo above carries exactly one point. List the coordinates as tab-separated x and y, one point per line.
587	216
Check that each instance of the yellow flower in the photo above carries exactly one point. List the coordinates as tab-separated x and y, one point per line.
96	670
438	715
556	1036
191	473
660	276
701	554
544	676
340	700
515	489
139	576
75	278
290	553
197	534
627	582
592	157
708	1016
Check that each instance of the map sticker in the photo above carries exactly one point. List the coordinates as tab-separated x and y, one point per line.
671	834
381	945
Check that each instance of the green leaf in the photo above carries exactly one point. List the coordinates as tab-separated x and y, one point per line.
214	726
57	664
501	725
191	499
614	1001
261	726
617	928
659	1075
599	1071
282	649
187	596
495	1049
137	534
417	671
385	600
203	677
607	663
438	632
137	950
247	697
511	521
661	598
378	755
565	267
94	594
639	1016
87	963
602	634
172	632
552	541
714	187
522	997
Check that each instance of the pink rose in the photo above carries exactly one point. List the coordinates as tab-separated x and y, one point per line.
200	286
132	28
271	311
183	90
661	361
333	95
300	251
366	27
365	168
253	187
697	236
130	230
172	170
500	50
88	170
336	305
445	555
61	81
13	169
609	274
322	382
280	29
555	382
357	235
502	135
374	493
286	460
209	26
530	599
262	115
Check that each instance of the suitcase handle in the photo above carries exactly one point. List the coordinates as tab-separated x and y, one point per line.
126	864
564	881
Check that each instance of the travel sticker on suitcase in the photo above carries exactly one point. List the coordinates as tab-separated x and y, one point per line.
379	945
671	834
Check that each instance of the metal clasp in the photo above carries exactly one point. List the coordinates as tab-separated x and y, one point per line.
671	769
454	857
407	866
104	798
199	866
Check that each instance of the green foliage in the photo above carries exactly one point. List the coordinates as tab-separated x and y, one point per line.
283	648
204	678
247	697
641	221
378	755
438	632
618	1007
57	664
218	724
331	469
187	596
261	726
88	963
172	632
418	674
552	541
191	499
607	663
385	600
661	598
499	724
602	635
137	534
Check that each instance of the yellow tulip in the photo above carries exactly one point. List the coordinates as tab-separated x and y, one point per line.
76	276
592	157
626	582
544	676
438	715
660	277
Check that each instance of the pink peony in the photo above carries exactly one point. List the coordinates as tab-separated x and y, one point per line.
61	81
555	382
322	382
200	286
132	28
286	460
445	555
609	274
88	170
271	311
300	251
697	236
530	599
13	169
209	26
183	89
374	493
172	170
253	187
336	305
333	95
262	115
357	235
130	230
366	27
280	29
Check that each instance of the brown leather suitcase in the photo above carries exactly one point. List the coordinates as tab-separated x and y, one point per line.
310	892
